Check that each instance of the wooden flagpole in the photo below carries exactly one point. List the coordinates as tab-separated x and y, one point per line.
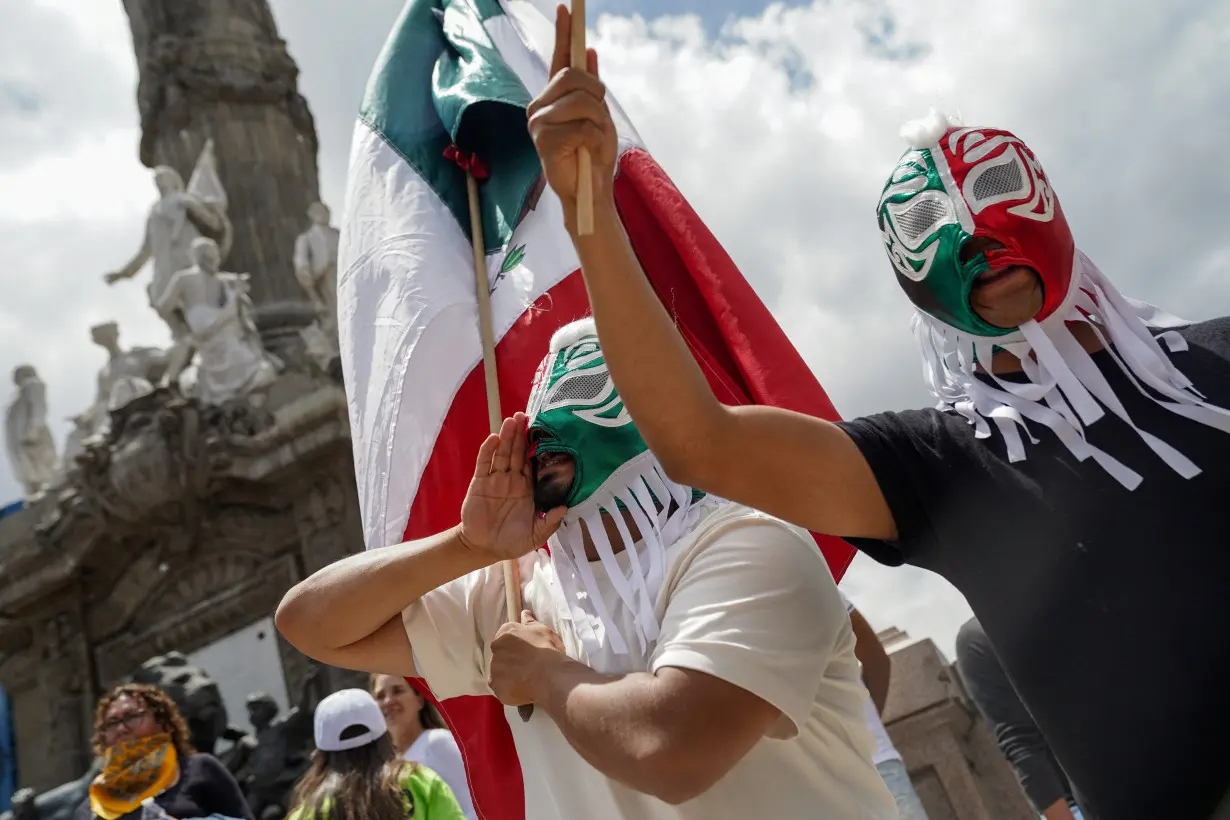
585	174
495	414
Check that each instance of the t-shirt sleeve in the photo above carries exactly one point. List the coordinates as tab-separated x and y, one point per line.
450	631
756	605
920	459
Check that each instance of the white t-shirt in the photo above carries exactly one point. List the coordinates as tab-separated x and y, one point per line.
885	750
745	598
437	750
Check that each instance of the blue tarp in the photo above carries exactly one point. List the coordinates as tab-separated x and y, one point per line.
9	509
8	753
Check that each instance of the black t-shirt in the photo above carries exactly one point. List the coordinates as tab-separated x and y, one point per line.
1107	607
204	787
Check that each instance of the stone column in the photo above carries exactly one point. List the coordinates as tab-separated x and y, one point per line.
64	679
217	68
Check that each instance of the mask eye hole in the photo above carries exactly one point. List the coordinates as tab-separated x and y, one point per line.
920	218
1002	181
581	388
997	180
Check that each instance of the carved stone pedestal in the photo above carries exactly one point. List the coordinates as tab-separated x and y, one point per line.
952	757
184	525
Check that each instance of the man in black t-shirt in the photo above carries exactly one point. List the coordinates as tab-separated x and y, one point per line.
1071	484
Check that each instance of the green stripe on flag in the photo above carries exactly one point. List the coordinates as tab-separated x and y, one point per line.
440	80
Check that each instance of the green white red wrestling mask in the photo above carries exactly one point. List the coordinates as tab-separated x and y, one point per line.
957	183
574	409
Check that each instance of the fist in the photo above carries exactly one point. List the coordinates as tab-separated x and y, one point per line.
521	656
571	114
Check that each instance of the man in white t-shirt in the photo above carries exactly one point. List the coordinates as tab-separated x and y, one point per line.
876	668
686	657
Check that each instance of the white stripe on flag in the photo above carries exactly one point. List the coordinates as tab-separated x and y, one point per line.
396	229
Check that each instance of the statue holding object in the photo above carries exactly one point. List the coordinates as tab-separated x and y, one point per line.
218	325
179	217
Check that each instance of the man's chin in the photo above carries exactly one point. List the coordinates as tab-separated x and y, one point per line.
550	496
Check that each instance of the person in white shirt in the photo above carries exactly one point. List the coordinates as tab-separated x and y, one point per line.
420	736
877	667
687	657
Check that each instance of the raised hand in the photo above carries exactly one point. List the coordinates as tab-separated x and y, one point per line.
498	517
569	114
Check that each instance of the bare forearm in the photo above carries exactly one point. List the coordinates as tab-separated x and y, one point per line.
608	720
657	377
877	666
349	600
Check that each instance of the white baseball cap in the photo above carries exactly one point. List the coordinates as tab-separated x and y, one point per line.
344	713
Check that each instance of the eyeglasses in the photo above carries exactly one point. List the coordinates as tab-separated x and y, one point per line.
129	721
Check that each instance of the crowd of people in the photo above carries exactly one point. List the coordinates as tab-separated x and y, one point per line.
386	754
381	754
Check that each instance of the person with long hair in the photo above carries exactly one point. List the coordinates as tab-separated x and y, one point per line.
147	754
420	736
356	774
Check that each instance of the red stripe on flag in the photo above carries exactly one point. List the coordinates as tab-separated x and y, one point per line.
734	337
743	351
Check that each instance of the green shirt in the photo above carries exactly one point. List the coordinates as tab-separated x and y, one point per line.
433	799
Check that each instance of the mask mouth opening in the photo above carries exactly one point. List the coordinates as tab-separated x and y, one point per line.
545	451
984	261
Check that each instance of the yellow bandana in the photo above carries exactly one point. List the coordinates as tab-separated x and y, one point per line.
133	771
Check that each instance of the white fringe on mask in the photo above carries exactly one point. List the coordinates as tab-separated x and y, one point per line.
660	527
1065	391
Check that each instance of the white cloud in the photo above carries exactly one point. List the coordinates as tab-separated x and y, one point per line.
781	132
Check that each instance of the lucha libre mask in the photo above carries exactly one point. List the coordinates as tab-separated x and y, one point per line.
574	409
956	183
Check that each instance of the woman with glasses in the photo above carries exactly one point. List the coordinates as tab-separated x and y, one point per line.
149	768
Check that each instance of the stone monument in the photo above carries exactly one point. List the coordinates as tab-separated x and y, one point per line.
220	70
218	323
180	518
946	744
27	438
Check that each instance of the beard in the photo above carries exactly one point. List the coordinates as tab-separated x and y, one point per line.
550	493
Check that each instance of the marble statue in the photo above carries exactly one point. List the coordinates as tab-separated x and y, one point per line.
31	450
217	315
316	269
316	263
179	217
126	375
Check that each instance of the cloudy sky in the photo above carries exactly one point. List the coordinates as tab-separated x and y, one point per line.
778	121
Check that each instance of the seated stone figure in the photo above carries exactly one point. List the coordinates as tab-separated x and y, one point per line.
218	313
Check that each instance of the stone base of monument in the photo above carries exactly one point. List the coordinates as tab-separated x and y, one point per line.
953	760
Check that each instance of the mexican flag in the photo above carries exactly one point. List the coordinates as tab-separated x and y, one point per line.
452	83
